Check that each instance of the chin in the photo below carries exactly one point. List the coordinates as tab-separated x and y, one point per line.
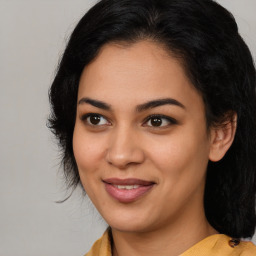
130	224
125	227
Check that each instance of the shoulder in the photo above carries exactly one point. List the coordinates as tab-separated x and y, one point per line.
102	247
245	249
223	245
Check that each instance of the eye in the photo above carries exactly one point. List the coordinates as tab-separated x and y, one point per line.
95	119
159	121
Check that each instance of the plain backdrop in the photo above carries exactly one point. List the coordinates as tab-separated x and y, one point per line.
33	34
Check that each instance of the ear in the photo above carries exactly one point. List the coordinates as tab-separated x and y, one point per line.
222	137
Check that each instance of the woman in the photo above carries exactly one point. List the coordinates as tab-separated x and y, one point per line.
154	107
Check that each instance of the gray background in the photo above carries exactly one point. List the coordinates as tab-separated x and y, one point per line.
33	34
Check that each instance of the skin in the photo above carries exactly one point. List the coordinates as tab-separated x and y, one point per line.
125	143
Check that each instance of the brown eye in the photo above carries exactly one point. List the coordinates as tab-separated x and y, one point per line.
95	120
156	121
160	121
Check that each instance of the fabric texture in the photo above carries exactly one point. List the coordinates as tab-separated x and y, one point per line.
215	245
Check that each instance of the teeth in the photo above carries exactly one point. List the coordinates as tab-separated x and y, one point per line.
128	187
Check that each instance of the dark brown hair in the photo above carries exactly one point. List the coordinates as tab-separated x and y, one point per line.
218	63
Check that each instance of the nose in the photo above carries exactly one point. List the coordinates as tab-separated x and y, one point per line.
124	148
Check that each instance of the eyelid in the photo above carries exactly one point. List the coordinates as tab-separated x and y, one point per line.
171	120
85	116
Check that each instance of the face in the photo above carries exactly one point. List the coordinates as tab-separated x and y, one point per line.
140	139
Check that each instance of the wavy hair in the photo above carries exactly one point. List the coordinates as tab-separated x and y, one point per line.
205	38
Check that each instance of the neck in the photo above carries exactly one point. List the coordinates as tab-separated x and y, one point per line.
171	240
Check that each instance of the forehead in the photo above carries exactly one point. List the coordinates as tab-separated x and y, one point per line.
138	72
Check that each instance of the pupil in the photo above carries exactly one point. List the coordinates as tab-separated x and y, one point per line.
95	119
156	122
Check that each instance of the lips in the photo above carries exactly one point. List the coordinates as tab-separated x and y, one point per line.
127	190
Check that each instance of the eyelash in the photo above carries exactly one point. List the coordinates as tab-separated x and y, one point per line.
170	120
86	116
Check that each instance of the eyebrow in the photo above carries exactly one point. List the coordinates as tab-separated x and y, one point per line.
158	103
95	103
139	108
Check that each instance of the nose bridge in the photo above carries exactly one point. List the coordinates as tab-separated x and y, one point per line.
124	148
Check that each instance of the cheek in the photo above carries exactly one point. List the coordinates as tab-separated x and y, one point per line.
87	152
181	155
88	149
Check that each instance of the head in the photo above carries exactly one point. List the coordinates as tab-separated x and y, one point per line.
203	38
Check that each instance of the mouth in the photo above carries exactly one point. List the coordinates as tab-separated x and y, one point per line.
128	187
127	190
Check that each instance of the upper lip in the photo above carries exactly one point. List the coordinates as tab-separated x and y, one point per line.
129	181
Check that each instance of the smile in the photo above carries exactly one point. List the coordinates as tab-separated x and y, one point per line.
128	187
127	190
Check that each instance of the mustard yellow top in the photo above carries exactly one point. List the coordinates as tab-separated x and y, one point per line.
215	245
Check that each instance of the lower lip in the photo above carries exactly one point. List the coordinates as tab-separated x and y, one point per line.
127	195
